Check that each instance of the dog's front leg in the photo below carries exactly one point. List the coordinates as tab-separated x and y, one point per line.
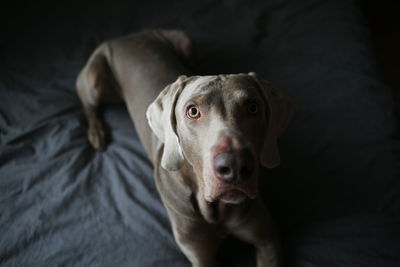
197	239
259	229
267	255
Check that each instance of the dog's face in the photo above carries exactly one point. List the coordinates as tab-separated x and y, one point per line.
223	126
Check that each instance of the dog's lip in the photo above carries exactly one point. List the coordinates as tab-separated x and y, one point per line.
236	191
233	195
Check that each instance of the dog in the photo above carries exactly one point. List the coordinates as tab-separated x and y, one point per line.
205	135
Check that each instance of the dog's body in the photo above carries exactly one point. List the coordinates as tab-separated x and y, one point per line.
205	137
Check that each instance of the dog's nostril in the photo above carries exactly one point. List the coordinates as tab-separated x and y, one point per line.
223	166
234	166
224	170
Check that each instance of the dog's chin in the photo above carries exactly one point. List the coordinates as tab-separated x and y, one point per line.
233	197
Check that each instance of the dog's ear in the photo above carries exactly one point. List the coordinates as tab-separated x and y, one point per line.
279	109
161	118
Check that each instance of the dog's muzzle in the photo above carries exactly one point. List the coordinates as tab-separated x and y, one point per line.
234	176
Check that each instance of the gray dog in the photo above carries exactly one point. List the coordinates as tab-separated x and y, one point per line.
205	135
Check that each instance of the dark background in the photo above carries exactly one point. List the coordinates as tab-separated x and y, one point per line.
385	26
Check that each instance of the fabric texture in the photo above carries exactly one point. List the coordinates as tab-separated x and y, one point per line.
336	195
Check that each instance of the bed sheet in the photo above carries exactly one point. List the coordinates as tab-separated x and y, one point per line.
336	196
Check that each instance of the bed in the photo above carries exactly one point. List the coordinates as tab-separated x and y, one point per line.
335	197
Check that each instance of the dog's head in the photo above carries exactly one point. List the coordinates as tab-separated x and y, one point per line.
222	126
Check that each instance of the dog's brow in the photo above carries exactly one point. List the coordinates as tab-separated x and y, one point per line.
199	84
241	94
201	94
201	90
203	98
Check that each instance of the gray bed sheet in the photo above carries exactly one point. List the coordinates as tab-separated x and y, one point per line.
336	196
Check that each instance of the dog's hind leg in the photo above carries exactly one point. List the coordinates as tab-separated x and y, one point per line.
95	85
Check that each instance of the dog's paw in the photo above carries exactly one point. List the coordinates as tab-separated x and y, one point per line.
96	136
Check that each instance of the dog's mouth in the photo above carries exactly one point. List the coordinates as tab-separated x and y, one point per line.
233	197
233	194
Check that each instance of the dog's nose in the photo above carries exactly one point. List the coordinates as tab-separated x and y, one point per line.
233	166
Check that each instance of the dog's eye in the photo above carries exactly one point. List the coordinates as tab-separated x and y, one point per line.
252	108
193	112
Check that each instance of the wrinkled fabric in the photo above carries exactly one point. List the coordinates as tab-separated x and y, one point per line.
336	195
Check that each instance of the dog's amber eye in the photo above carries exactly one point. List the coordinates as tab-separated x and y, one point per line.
193	112
252	108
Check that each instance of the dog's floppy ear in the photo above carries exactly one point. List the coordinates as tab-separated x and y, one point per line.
279	114
161	118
